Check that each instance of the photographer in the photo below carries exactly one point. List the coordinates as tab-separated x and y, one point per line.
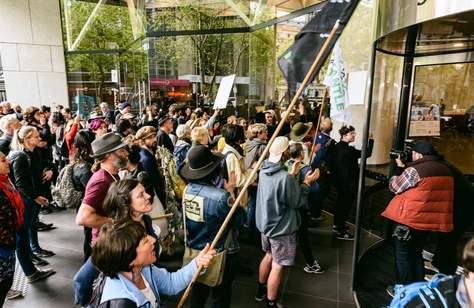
423	202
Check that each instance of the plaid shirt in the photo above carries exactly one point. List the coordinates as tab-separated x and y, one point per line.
408	179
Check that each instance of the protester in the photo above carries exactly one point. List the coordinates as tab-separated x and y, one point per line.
206	207
110	156
21	157
11	221
278	198
346	175
163	136
8	125
183	132
125	254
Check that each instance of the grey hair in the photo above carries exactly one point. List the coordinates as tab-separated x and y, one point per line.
6	121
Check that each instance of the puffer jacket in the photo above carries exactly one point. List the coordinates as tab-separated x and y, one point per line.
429	205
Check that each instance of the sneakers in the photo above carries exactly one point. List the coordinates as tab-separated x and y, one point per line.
12	294
43	253
274	304
40	275
261	293
315	268
390	291
344	235
41	226
38	261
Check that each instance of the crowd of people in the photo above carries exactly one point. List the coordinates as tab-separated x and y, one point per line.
145	186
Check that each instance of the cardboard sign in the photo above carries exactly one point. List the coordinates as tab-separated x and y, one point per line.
223	93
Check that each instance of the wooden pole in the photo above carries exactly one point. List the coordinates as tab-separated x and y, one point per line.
323	103
262	157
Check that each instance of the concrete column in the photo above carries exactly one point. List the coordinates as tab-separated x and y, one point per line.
31	51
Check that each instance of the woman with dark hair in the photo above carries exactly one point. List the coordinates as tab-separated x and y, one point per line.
234	136
125	254
58	122
127	199
346	174
11	220
81	173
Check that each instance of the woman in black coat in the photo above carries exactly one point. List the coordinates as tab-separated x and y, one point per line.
346	174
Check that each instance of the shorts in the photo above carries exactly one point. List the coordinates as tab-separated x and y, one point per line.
282	248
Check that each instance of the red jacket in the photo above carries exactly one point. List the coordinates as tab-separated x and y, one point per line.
429	205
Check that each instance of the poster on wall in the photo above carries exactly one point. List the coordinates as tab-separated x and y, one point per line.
424	121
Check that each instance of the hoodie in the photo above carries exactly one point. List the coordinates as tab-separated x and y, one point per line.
160	281
254	149
279	196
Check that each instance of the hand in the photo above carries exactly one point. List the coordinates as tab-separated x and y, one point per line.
205	256
311	177
317	147
42	201
230	184
77	119
216	112
47	175
371	136
399	162
43	120
308	144
295	168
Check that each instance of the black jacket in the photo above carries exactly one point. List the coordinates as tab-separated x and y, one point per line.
21	173
5	142
346	165
164	140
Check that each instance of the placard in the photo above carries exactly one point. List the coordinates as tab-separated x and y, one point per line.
223	93
424	121
356	87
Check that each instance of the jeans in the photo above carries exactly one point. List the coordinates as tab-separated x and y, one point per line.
83	281
23	249
33	231
220	295
5	286
254	234
409	261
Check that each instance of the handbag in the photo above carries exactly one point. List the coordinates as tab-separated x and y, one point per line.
215	271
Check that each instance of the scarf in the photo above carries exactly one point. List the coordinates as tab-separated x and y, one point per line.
15	200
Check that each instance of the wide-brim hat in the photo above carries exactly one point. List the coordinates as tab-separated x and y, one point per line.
299	131
200	162
278	147
108	143
95	115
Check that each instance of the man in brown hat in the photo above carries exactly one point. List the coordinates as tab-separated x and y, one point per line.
147	138
110	156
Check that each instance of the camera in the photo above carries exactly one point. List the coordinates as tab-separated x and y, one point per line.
405	154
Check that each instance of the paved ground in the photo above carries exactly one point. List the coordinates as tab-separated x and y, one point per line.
300	290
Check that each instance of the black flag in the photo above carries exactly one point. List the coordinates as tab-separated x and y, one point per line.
295	62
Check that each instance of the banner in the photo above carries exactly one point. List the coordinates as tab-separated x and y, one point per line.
336	81
295	62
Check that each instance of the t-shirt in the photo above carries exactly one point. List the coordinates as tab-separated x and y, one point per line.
148	292
96	190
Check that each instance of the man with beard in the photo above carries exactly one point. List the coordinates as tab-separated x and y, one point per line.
147	138
110	156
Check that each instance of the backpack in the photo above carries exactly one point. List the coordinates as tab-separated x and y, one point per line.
65	192
440	292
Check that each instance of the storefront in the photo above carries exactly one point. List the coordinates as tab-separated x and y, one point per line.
420	88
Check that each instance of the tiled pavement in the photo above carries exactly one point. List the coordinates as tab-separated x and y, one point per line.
300	290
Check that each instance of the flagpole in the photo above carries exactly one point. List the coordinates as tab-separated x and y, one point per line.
323	103
319	58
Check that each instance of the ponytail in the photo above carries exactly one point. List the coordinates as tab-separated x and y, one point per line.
19	136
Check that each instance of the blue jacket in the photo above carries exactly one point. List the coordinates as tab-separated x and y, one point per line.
180	152
148	161
279	196
206	209
160	280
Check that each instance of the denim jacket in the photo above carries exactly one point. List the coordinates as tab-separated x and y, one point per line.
206	209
